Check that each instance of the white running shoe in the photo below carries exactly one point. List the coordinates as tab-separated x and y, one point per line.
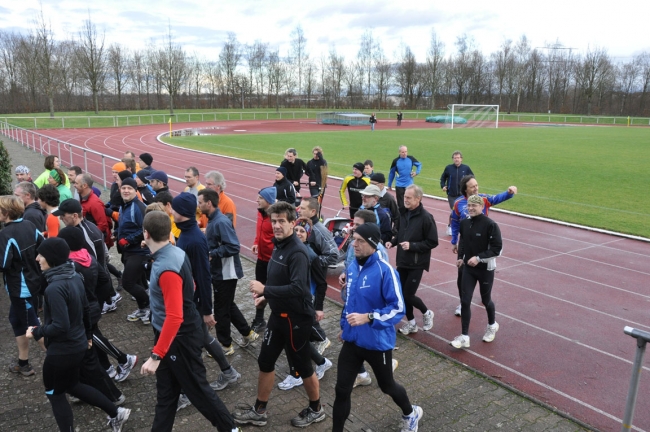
109	307
408	328
126	368
427	319
491	332
290	382
461	341
410	422
362	380
322	346
320	370
458	310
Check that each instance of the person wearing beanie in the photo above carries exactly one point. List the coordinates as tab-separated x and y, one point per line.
415	237
23	174
479	245
19	240
146	160
373	304
354	184
303	229
65	302
124	174
56	179
401	170
129	237
195	245
386	200
284	189
262	247
92	372
144	188
51	162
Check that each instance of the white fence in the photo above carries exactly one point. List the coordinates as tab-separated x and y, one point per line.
98	165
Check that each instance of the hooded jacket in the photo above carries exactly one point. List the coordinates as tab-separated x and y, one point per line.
264	236
460	210
323	244
66	326
36	215
18	243
373	287
419	229
87	267
223	247
285	191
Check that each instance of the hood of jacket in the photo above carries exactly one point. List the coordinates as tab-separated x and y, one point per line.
64	271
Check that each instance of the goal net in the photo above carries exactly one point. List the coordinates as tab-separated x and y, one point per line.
472	116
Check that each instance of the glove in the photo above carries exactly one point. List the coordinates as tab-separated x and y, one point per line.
108	211
123	242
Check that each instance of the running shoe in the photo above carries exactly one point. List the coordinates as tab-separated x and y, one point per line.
307	417
491	332
229	377
126	368
290	382
461	341
320	370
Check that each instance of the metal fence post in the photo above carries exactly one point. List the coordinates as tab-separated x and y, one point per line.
71	156
642	338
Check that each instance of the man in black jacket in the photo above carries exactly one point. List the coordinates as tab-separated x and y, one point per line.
480	243
450	181
295	167
288	295
317	172
285	190
34	213
416	236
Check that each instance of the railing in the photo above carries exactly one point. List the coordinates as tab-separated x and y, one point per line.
62	122
92	162
642	339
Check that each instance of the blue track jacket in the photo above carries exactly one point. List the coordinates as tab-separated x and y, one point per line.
373	288
400	171
460	210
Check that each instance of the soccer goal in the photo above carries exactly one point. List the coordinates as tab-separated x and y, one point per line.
472	116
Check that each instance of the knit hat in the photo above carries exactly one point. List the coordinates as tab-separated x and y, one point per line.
73	236
282	170
306	224
185	204
124	174
378	177
146	158
68	206
55	251
359	166
142	175
119	167
130	182
22	169
158	175
370	233
55	175
269	194
371	190
475	199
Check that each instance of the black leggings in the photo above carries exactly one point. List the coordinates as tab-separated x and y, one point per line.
61	376
105	348
226	311
485	278
132	278
410	280
351	358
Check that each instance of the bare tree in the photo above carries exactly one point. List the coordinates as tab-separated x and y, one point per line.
503	60
383	68
591	71
275	74
336	72
47	61
462	65
229	60
408	76
299	56
435	58
92	60
138	75
643	60
9	48
256	58
173	67
27	56
365	57
628	75
117	59
310	80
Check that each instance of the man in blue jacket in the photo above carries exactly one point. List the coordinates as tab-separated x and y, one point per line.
401	170
373	305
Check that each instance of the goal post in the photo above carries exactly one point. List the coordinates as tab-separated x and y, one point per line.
472	116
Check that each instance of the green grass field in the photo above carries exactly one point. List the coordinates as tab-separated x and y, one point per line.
584	175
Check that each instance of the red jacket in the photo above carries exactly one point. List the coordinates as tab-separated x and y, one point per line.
94	211
264	236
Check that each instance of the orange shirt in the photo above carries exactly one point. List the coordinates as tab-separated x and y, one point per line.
52	226
227	207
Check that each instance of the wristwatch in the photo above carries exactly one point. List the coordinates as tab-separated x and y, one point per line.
370	316
155	356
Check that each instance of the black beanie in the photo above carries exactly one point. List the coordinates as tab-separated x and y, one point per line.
73	236
125	174
55	251
146	158
130	182
370	233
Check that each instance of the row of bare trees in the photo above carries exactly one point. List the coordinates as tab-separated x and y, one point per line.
41	73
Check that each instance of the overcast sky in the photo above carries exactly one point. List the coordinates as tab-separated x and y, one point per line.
201	27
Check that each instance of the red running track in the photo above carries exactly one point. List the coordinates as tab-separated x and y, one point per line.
563	295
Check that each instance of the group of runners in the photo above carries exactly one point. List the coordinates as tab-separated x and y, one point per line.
180	263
